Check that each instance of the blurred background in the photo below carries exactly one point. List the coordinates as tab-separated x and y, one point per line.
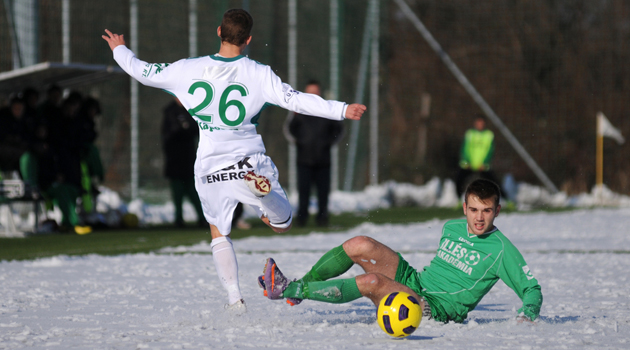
545	67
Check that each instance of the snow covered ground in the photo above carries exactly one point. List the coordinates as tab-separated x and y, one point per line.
172	299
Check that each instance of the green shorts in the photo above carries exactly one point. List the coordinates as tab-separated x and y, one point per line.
407	275
410	277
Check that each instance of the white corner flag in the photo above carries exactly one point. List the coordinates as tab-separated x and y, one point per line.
605	129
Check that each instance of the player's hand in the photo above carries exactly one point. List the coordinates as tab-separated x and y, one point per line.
113	39
355	111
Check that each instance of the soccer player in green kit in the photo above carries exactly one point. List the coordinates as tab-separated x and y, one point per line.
472	256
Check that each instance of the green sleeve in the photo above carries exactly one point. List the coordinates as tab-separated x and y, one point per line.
515	273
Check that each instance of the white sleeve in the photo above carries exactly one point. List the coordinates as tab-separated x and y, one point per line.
285	96
158	75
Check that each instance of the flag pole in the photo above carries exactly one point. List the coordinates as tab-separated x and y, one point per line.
599	158
604	128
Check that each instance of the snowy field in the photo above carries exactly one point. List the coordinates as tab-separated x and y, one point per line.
172	299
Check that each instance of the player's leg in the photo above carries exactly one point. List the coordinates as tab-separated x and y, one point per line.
379	261
372	255
218	206
225	263
304	193
376	286
65	197
461	181
371	285
177	194
322	180
332	264
278	286
274	226
276	210
193	197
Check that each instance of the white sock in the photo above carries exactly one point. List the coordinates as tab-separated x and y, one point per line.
277	209
227	267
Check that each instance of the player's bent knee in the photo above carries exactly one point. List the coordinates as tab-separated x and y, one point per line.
278	227
358	246
370	281
281	229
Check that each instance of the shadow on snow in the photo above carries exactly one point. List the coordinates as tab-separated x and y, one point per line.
559	319
361	312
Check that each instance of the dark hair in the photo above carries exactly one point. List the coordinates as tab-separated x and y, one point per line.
484	190
236	26
313	82
480	116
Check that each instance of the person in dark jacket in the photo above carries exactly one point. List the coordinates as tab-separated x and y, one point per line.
314	137
92	172
14	137
42	165
180	135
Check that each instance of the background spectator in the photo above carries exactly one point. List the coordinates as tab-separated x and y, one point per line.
314	137
92	172
476	156
180	135
14	136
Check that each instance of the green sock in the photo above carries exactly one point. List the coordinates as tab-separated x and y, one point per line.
337	291
332	264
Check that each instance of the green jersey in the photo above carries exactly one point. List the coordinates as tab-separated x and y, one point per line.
467	266
477	150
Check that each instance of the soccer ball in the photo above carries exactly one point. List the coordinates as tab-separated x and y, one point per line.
399	314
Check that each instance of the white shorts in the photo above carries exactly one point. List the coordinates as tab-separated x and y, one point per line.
221	191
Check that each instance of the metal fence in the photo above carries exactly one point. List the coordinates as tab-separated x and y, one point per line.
546	68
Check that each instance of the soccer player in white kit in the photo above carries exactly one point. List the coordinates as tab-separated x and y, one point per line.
225	94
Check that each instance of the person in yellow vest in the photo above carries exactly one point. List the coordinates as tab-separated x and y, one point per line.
476	156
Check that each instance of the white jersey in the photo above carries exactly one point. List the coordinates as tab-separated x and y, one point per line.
225	96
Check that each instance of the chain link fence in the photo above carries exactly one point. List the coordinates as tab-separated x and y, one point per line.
545	67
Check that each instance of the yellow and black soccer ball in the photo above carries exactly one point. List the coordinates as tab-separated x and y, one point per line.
399	314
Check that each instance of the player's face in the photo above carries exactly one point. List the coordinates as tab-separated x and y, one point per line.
480	214
480	124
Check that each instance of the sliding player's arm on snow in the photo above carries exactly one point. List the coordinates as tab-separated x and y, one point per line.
285	96
516	275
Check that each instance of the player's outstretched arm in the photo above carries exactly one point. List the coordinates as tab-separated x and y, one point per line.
113	39
161	75
355	111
